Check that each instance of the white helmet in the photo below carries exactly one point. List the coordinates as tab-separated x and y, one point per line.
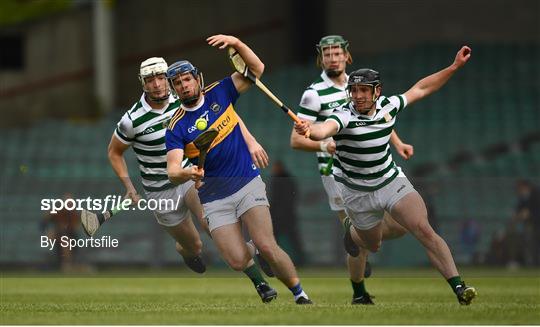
152	67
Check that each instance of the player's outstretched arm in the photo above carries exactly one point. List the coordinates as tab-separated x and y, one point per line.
433	82
257	152
300	142
406	151
310	106
318	131
116	151
250	58
177	174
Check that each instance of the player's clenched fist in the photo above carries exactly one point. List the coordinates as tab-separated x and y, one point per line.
462	56
195	173
302	127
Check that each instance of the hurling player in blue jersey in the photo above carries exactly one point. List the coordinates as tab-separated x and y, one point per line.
232	192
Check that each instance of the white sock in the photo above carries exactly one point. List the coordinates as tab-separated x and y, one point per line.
303	294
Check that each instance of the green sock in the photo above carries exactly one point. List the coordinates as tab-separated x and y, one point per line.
254	274
454	282
358	288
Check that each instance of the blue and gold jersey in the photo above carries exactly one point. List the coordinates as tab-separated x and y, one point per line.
228	165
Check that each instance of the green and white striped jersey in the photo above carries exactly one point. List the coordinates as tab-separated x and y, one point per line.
318	102
364	162
144	129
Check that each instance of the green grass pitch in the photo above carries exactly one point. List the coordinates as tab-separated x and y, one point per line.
402	297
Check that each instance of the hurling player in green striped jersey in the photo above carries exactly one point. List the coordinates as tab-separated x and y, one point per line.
318	101
143	129
369	181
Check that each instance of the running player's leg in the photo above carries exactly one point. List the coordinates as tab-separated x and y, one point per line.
194	205
234	250
185	234
349	244
335	201
188	241
254	252
178	223
391	229
231	245
357	268
358	265
357	257
226	231
259	225
368	238
411	213
351	247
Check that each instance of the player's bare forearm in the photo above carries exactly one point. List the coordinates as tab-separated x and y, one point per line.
119	166
299	142
316	132
430	84
434	82
177	175
248	137
250	58
394	139
175	172
115	153
257	152
319	132
406	151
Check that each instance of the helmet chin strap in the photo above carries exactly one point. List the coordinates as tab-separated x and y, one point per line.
375	97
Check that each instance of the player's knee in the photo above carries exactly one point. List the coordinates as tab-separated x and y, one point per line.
237	264
268	251
363	253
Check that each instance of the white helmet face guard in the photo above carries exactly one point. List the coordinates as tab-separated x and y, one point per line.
152	67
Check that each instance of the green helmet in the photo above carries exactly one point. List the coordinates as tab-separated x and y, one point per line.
332	40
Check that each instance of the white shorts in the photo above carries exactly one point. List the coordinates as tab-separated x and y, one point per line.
173	212
366	209
334	194
228	210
